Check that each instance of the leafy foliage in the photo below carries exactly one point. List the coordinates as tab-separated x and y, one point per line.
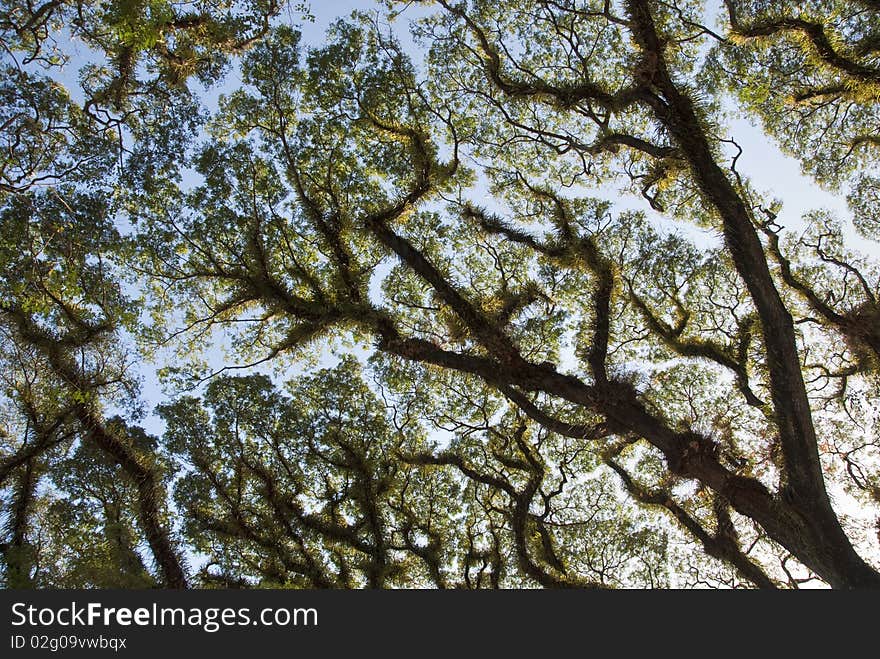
528	324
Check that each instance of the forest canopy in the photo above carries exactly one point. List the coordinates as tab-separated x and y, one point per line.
454	294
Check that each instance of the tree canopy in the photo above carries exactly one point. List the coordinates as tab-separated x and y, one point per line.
467	294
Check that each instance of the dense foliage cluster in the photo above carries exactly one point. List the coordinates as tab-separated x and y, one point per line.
493	309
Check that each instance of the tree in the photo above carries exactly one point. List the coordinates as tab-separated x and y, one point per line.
554	387
61	313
